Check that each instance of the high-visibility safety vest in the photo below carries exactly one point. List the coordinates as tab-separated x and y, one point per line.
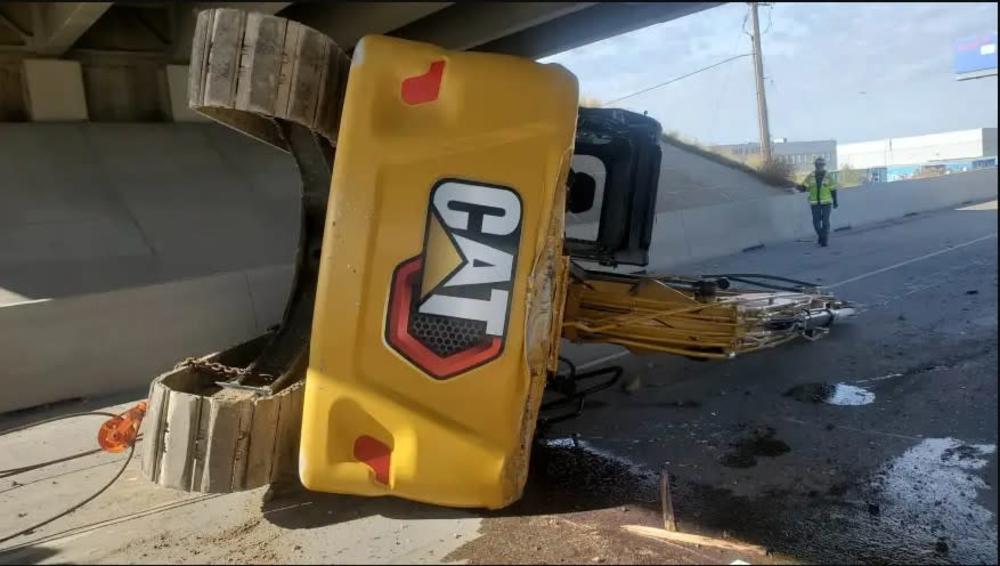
822	194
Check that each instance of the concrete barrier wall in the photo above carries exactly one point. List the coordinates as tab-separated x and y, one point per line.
125	248
688	235
105	342
687	180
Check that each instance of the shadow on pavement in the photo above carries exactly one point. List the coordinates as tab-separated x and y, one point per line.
30	555
563	478
27	416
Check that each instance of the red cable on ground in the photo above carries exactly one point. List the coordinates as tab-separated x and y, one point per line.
10	472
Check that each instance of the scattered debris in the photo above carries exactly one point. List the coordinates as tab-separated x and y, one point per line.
667	503
632	384
669	536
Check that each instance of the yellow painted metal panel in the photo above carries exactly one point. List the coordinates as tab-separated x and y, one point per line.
429	394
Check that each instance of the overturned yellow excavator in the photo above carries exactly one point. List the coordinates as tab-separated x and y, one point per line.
434	279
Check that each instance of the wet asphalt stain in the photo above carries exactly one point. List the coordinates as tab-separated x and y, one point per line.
564	468
919	508
850	395
810	392
930	492
961	452
760	442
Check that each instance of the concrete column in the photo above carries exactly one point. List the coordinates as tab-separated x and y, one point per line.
54	90
177	83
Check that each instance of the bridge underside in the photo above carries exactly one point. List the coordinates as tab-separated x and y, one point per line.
126	61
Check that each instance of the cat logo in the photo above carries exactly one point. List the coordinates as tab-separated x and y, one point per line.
449	306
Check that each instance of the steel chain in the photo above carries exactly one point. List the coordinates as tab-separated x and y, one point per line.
217	368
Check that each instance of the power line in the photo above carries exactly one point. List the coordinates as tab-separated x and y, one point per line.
665	83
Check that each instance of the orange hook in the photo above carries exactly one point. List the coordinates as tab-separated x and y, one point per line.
118	433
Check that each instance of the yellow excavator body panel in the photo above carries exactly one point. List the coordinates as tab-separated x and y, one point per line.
442	279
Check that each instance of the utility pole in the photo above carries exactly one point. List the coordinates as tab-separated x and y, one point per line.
758	70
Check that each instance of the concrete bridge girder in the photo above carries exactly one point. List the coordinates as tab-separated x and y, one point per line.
127	60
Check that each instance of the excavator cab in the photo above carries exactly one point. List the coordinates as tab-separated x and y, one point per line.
627	146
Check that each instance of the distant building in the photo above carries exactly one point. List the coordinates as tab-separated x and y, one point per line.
880	161
979	145
894	159
799	154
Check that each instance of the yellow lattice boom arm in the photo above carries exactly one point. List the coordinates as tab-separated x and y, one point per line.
692	317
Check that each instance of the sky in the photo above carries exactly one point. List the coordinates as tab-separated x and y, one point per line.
843	71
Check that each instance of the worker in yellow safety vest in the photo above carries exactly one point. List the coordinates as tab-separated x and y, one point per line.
822	189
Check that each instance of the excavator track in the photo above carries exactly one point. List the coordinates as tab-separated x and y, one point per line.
229	421
252	71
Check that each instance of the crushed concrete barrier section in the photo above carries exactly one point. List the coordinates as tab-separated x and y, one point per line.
114	341
694	234
125	248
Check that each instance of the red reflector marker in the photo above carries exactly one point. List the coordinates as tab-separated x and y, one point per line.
376	454
423	88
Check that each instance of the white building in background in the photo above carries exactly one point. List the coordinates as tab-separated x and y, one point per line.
962	145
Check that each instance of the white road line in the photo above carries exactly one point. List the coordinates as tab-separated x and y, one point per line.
858	430
909	261
600	361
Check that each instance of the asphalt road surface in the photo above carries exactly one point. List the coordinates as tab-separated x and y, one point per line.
874	444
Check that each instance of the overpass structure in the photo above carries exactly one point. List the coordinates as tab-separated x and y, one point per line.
127	61
132	236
